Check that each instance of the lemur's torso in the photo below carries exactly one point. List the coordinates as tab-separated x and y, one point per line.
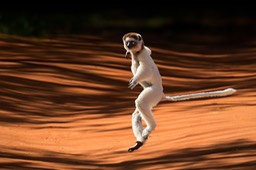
144	63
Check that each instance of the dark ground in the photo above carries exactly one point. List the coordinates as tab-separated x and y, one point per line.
65	102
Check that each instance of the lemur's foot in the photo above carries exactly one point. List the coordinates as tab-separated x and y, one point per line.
137	145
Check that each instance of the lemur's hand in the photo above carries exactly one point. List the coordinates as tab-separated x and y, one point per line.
127	54
132	83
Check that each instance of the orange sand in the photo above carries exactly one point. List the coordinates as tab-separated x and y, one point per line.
65	105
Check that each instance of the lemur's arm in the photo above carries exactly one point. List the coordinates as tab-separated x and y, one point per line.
134	68
143	73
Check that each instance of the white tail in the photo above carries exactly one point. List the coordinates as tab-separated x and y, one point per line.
218	93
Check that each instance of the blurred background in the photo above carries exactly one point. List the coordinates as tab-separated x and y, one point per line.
173	21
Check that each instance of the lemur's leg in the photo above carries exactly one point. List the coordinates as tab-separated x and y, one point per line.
148	117
146	100
144	103
140	133
137	125
137	130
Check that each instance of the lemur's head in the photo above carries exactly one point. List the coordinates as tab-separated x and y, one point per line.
133	43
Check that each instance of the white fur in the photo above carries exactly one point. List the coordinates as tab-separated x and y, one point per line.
218	93
146	73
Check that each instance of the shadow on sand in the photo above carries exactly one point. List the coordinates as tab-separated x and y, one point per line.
61	81
237	155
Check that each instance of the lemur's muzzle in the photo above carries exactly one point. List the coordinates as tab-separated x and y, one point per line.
131	44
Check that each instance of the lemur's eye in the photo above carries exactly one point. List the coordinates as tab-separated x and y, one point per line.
131	44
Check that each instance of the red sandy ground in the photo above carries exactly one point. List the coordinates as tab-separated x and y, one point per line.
65	104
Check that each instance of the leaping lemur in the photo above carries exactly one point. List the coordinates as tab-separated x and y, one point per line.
146	73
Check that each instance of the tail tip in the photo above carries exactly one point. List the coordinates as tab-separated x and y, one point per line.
231	90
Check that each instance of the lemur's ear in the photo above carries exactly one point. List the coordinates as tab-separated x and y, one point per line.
139	37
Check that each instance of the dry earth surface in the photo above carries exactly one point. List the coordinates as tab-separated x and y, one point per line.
65	104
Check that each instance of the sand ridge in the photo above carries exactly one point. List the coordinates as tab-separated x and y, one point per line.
65	104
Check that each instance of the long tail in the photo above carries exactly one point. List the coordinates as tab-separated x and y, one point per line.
218	93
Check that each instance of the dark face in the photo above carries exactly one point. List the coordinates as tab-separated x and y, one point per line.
132	42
